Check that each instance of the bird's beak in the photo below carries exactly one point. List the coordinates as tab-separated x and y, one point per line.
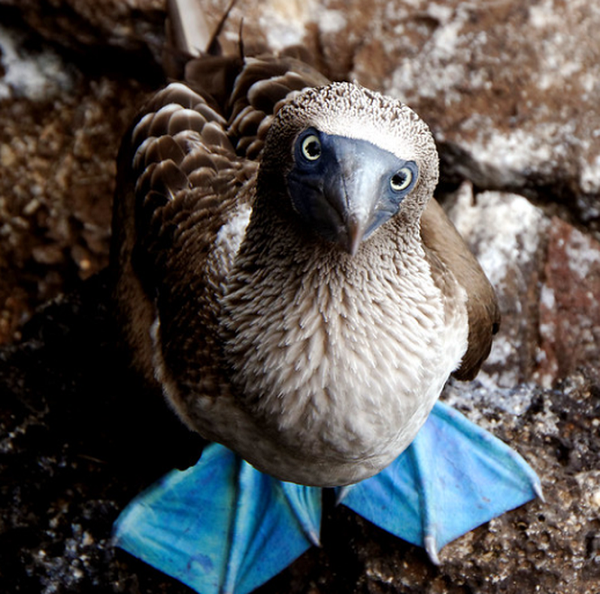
346	196
355	188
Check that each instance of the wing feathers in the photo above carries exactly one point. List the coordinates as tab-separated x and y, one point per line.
184	120
443	240
164	148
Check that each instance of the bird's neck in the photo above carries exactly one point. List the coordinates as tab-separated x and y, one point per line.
312	332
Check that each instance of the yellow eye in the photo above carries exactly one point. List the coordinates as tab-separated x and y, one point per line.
401	179
311	147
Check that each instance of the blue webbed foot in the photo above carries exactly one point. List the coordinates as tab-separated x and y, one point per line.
223	527
454	477
220	526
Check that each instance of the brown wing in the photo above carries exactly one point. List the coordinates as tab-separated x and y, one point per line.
443	240
185	170
250	91
178	181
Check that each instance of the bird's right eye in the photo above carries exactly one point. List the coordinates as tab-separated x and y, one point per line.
311	147
401	179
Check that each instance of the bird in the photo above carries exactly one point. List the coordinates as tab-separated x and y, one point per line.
284	274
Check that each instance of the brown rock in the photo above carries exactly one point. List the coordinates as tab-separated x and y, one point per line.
509	89
569	304
59	137
84	24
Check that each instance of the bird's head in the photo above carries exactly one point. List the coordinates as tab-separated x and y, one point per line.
350	160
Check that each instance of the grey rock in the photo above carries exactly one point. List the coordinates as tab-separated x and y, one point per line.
508	235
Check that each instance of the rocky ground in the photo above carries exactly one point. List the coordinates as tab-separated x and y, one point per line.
510	89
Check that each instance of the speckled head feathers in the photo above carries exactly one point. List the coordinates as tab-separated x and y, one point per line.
350	110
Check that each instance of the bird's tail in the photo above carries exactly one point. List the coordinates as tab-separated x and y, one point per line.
189	35
188	30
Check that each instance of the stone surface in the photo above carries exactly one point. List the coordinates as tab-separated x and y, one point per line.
569	306
508	88
81	25
508	235
547	277
59	135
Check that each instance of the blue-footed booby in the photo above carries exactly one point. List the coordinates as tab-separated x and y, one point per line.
285	275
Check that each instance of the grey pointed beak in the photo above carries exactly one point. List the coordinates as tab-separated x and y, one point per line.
353	236
357	189
354	193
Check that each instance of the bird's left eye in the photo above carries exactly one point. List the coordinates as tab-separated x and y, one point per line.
401	179
311	147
